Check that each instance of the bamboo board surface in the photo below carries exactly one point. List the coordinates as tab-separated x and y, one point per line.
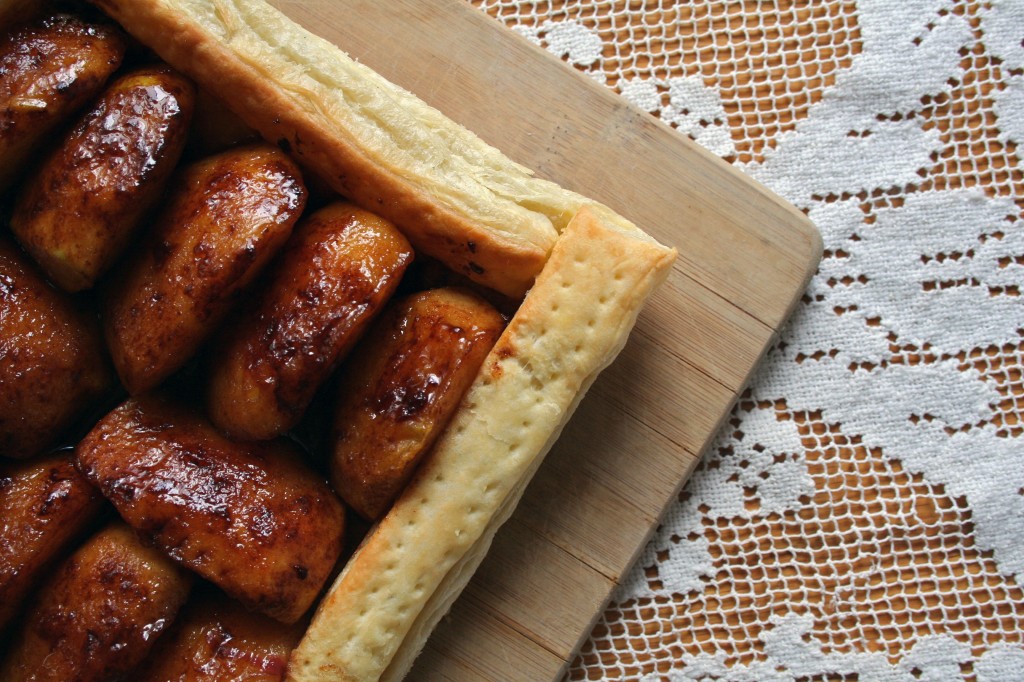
745	257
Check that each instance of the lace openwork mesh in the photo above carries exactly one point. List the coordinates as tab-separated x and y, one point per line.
768	61
878	556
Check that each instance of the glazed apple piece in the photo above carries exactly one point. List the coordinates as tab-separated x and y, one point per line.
100	613
215	639
45	506
53	365
333	277
48	71
225	219
78	212
249	517
401	387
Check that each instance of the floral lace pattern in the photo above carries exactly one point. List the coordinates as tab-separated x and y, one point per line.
860	517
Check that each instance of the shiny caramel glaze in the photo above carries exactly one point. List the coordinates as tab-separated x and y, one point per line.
48	70
45	506
403	383
99	615
52	361
76	214
336	273
251	518
216	640
227	216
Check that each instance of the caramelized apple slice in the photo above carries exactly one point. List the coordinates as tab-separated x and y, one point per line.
249	517
45	505
52	362
216	640
76	215
333	277
48	70
101	612
226	217
400	388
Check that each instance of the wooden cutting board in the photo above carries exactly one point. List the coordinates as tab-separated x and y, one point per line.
745	258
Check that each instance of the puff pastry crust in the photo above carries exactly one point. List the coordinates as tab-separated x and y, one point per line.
587	271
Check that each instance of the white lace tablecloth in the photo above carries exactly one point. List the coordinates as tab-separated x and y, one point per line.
861	517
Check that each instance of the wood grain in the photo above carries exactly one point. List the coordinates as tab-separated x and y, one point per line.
745	258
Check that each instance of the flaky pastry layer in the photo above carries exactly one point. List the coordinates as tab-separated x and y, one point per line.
588	272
